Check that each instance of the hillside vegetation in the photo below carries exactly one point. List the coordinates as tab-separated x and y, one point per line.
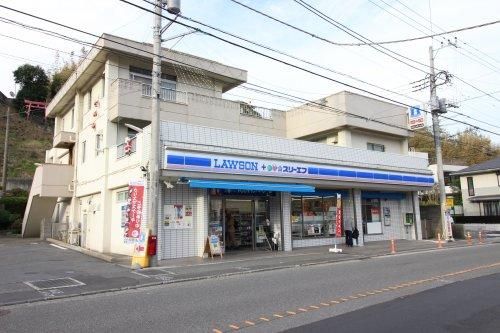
28	140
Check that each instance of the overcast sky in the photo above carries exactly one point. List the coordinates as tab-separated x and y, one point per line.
475	60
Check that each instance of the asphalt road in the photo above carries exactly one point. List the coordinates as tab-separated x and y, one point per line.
269	301
465	306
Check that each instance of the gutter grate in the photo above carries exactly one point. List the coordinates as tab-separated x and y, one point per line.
54	283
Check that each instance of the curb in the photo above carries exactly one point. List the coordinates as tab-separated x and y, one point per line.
91	253
215	276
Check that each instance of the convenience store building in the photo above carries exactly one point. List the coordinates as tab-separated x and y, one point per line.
258	178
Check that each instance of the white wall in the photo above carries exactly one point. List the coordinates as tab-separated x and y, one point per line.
392	144
484	184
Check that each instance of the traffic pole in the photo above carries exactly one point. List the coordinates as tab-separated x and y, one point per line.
393	246
469	239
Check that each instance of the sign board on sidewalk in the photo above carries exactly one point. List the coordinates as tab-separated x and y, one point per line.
416	118
213	246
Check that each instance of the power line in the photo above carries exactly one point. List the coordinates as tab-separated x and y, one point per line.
476	59
427	20
232	43
412	39
479	61
294	66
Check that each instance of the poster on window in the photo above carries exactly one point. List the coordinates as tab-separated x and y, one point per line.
387	216
134	209
375	212
178	216
123	215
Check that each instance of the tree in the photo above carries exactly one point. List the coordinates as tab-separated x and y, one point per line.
60	77
34	84
467	147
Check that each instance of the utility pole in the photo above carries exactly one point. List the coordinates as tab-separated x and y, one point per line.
438	106
5	152
155	126
174	8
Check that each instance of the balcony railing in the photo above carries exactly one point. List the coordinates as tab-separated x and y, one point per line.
168	95
120	149
254	111
183	97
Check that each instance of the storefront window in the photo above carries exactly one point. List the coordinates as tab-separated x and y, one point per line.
372	222
313	216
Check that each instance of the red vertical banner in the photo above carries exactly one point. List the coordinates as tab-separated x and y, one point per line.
338	218
134	209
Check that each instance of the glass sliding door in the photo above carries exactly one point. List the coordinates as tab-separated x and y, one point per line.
239	216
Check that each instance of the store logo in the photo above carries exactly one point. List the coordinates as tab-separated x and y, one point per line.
235	164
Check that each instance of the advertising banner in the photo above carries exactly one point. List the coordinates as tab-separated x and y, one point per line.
338	218
134	209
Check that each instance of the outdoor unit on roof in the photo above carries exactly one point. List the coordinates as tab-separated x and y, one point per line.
174	6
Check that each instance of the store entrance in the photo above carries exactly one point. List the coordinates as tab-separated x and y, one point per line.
247	225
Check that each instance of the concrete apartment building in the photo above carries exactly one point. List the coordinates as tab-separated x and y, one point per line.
257	178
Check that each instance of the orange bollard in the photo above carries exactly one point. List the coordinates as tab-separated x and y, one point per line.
393	246
469	238
440	245
480	236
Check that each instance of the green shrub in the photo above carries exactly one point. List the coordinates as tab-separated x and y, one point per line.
14	205
5	219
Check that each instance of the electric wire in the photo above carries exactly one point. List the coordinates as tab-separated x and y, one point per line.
142	50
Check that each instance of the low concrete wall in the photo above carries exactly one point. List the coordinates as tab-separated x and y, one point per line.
22	183
475	227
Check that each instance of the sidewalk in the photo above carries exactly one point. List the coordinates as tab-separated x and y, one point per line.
34	270
233	264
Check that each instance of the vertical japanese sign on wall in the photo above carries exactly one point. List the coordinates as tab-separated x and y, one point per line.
338	217
134	209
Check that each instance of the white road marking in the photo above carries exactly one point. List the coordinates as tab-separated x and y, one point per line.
59	247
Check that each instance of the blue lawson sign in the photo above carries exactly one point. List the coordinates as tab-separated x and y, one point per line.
226	164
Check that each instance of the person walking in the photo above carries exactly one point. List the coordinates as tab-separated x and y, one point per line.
348	235
355	235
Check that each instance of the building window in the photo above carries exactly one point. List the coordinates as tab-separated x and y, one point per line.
375	147
491	208
72	117
313	216
168	83
121	196
98	144
103	85
370	210
470	186
89	99
84	148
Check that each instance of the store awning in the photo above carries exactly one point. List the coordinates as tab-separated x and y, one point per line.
254	186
